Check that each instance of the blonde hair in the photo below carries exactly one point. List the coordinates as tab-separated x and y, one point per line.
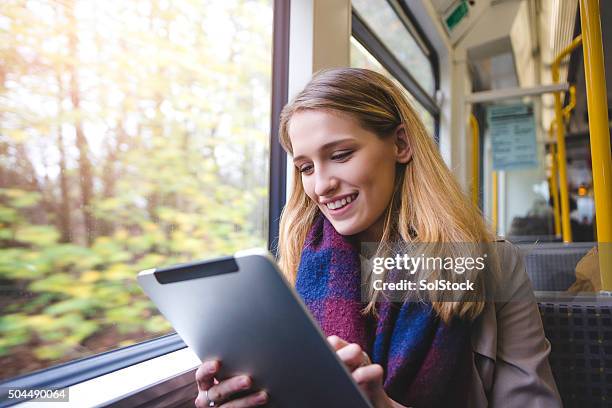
427	206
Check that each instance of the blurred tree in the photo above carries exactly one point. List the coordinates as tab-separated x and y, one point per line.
132	135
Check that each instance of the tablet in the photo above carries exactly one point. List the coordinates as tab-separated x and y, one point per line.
241	310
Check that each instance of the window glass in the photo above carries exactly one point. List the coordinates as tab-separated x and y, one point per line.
529	214
361	58
385	23
133	134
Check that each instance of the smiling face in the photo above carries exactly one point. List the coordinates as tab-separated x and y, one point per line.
347	170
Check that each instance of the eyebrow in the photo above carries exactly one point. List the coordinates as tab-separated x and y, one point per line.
326	146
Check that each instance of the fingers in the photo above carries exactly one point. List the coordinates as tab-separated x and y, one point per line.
353	356
370	380
252	400
336	342
369	376
350	353
205	374
226	388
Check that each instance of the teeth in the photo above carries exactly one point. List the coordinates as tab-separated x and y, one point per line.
341	203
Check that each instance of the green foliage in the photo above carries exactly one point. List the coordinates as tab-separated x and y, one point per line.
16	326
8	216
157	324
37	235
87	306
19	198
177	149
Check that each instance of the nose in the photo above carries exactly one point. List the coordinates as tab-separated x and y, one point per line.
325	183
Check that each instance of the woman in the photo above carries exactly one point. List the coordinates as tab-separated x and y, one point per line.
366	171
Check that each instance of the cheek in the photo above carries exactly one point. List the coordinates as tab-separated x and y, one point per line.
380	179
308	186
378	187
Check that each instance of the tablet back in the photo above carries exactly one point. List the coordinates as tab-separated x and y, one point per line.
242	311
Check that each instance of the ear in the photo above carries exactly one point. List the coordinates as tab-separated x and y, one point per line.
402	145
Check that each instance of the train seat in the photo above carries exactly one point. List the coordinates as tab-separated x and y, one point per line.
551	266
580	333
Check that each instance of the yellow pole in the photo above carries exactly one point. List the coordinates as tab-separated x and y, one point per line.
554	186
565	219
572	103
597	103
475	159
494	202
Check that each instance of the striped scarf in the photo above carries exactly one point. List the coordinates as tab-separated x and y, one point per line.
426	362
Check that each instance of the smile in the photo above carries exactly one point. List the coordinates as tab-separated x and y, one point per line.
339	204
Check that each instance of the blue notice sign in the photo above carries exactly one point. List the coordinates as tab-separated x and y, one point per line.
513	136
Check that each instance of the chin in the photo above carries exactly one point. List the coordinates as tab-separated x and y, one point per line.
346	228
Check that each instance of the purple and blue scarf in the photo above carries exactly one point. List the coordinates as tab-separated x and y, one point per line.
426	362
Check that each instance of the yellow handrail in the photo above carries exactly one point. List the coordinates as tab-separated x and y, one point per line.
553	183
597	104
475	159
554	186
572	103
565	218
494	201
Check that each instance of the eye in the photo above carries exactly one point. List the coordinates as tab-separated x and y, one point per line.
305	169
342	155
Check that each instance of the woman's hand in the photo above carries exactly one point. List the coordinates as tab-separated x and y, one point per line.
212	393
369	376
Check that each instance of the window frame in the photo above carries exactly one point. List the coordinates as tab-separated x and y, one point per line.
375	46
421	39
280	94
84	369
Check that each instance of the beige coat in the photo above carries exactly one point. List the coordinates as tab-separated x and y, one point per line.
511	366
588	278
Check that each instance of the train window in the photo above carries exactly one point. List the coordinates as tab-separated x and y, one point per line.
405	46
132	135
529	214
361	58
